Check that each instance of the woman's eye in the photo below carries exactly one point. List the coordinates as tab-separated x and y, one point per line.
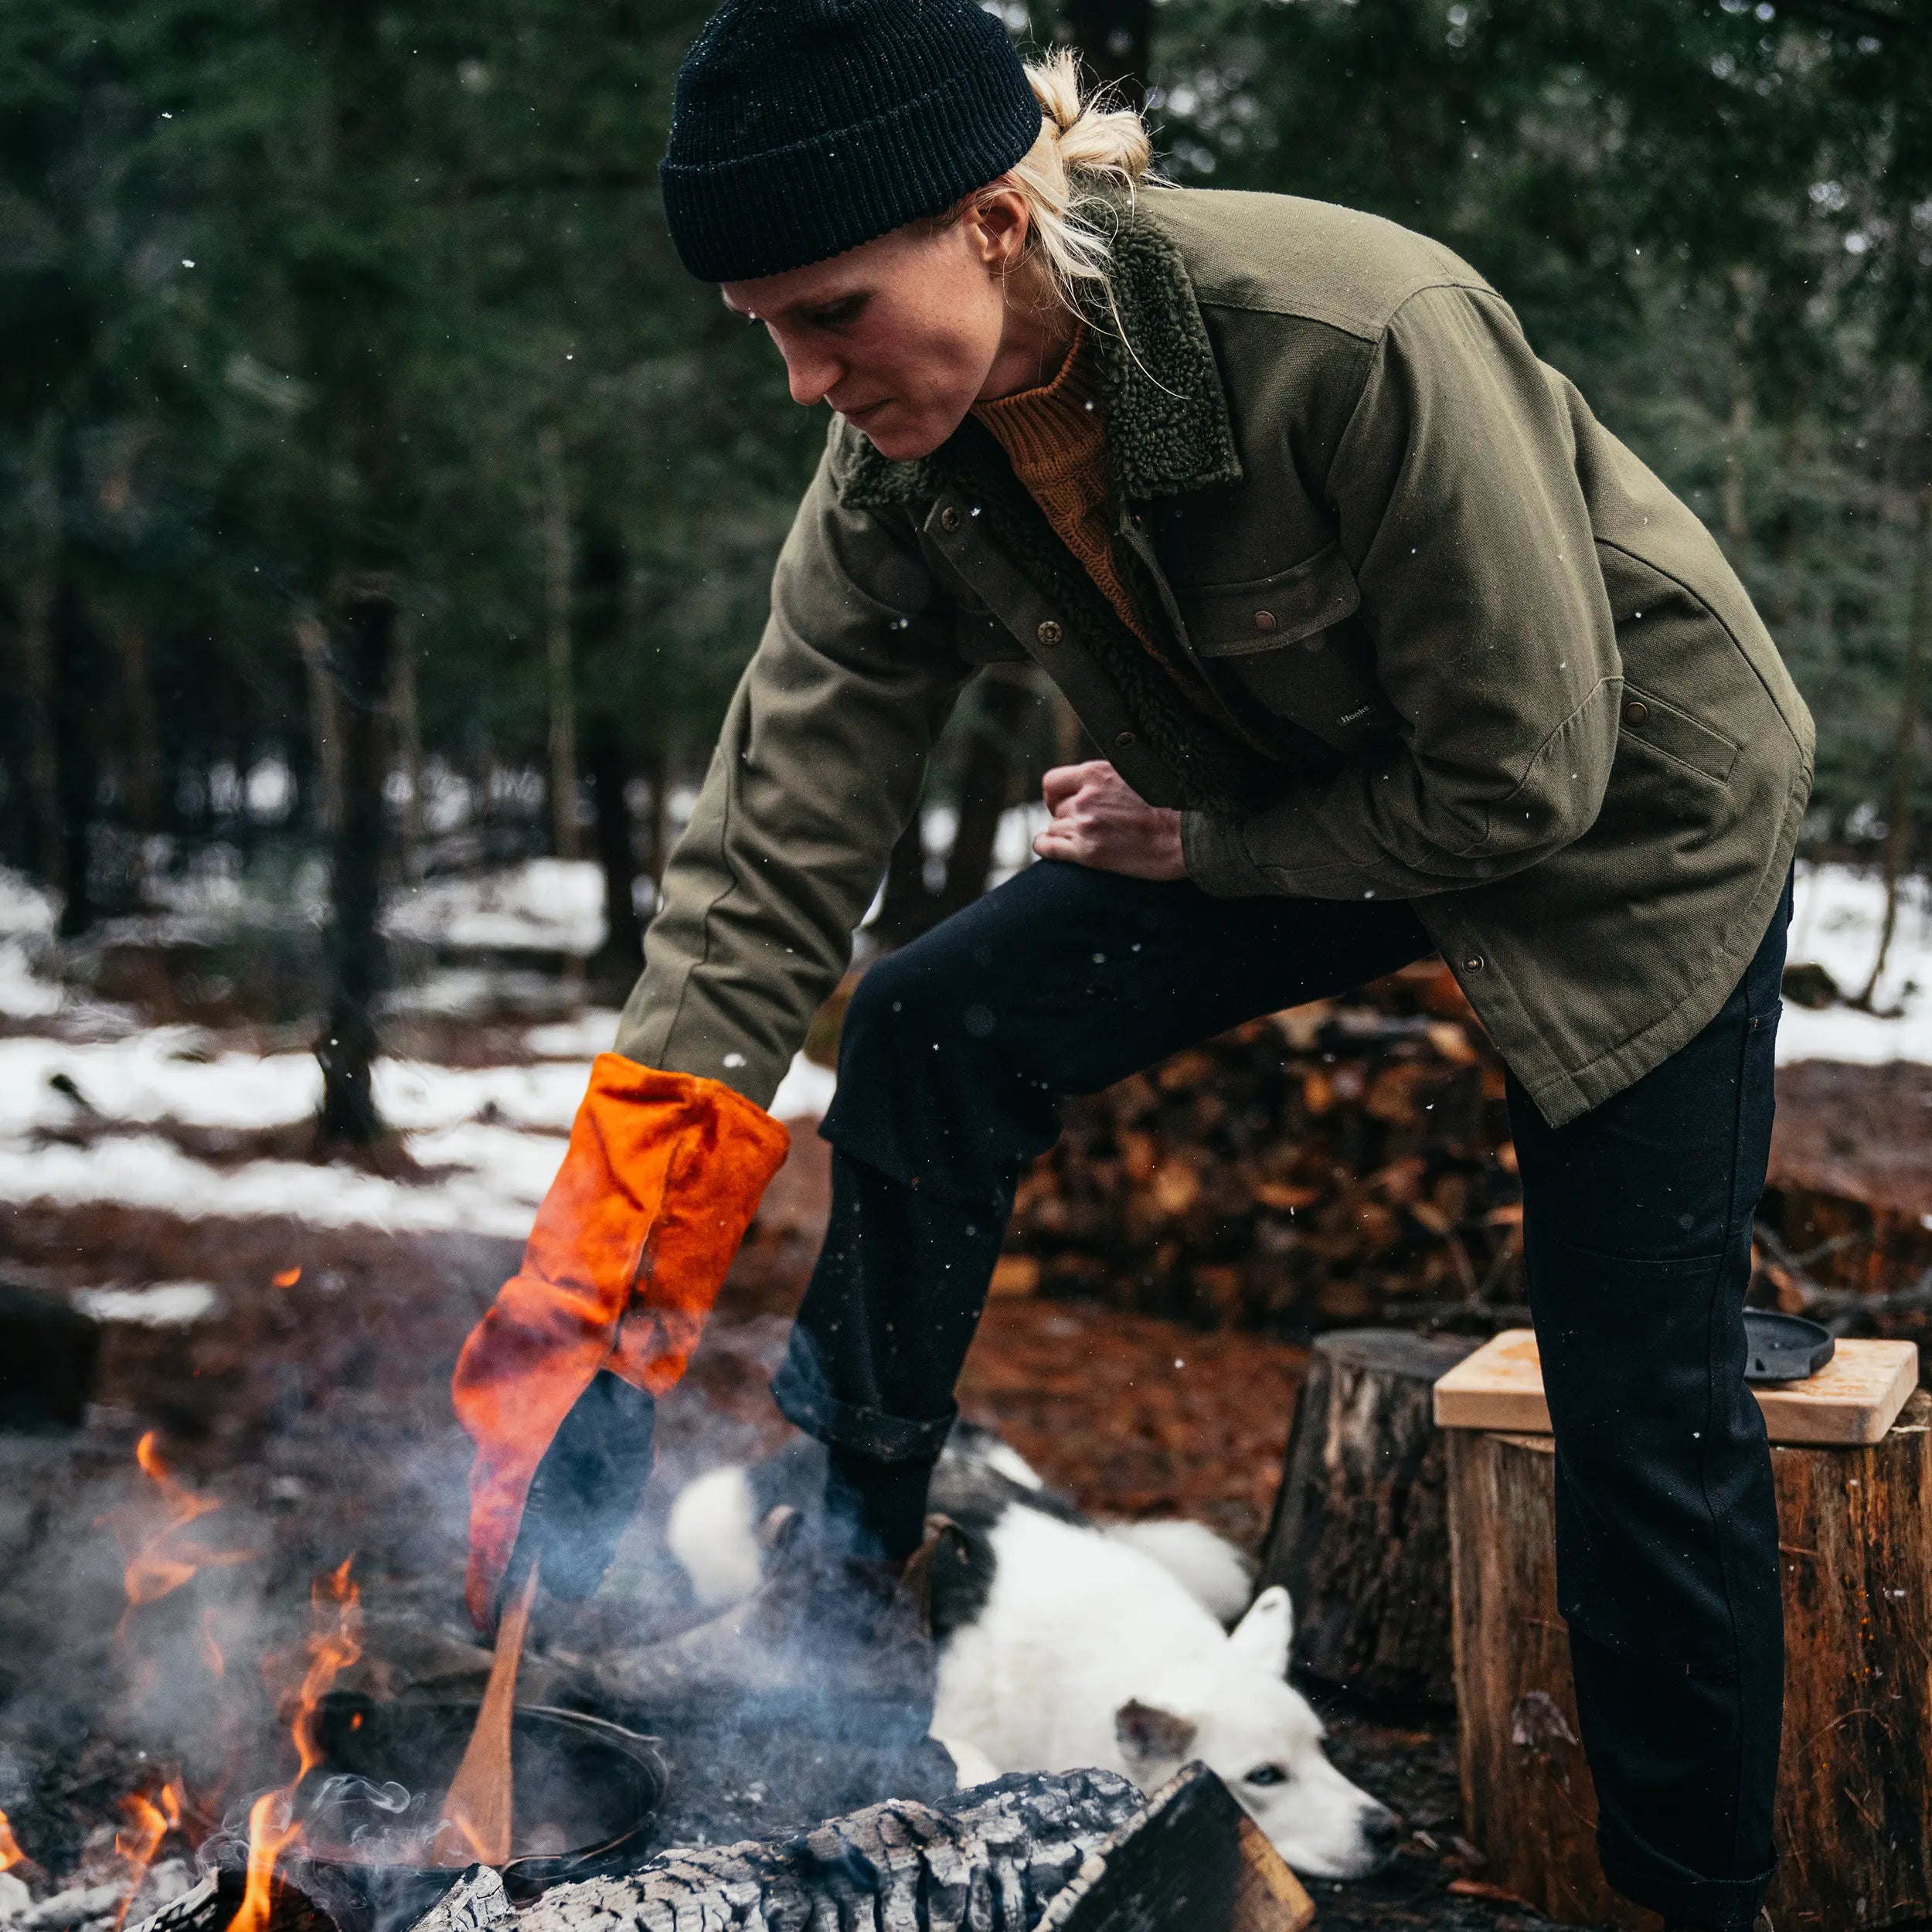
1266	1775
839	314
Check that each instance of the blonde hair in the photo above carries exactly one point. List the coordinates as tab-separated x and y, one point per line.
1091	156
1090	153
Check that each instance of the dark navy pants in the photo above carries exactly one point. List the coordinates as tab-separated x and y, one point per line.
956	1052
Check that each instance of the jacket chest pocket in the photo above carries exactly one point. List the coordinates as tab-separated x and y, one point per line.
1287	642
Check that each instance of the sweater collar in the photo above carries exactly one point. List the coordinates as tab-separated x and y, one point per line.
1154	376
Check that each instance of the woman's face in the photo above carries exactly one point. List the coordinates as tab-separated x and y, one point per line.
903	336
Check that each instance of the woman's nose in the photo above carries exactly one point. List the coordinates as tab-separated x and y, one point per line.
813	375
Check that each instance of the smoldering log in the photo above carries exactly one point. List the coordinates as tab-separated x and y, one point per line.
992	1859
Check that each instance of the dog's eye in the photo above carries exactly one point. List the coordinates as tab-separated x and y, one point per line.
1266	1775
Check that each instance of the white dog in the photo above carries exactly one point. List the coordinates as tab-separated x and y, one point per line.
1064	1644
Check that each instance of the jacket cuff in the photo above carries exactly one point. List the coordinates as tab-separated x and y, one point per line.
1217	859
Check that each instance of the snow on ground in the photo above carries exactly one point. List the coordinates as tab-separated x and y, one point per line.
1835	919
91	1115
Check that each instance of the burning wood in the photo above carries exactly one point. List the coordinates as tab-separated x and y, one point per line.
11	1854
273	1828
148	1823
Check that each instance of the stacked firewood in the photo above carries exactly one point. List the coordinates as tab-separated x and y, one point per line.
1344	1162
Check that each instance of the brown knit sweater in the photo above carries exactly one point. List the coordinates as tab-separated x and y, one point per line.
1056	442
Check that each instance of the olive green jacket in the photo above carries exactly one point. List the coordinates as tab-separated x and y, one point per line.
1466	651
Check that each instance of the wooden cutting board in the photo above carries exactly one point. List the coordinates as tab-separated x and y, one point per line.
1855	1398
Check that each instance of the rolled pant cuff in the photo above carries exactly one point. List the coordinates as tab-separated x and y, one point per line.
869	1432
1716	1902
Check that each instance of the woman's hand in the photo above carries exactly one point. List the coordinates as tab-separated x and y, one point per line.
1099	820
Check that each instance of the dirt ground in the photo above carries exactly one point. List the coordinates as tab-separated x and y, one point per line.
317	1413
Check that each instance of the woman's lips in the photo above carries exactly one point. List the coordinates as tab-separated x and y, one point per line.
870	409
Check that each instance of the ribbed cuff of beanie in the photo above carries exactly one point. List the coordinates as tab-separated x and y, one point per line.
774	161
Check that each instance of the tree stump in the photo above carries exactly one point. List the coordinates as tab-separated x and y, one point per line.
1854	1777
1360	1536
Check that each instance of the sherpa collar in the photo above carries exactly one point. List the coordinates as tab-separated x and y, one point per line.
1155	376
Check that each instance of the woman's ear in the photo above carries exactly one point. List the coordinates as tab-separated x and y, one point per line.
998	224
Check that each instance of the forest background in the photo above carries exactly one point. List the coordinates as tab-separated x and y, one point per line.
379	498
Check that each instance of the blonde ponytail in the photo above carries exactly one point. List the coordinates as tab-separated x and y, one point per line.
1089	158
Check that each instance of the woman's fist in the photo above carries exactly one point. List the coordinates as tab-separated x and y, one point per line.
1099	820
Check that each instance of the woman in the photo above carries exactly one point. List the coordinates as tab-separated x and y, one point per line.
1389	647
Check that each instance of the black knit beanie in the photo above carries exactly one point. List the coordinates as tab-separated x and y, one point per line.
802	128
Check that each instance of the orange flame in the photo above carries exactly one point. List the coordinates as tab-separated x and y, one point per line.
11	1854
287	1278
272	1827
148	1824
211	1651
166	1559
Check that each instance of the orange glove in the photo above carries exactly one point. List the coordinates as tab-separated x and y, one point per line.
629	1250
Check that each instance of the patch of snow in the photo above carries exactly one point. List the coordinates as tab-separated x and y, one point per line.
493	1137
593	1031
805	1091
1836	917
543	904
163	1304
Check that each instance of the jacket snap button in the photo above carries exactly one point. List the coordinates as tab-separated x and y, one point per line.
1636	712
1265	620
1049	632
949	518
1125	739
1473	964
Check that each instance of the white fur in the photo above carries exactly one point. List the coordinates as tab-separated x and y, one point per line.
1080	1625
970	1765
1005	1460
1209	1568
713	1533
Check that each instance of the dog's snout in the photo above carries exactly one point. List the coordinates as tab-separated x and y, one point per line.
1382	1830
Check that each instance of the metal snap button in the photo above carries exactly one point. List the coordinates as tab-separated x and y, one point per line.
1636	712
1125	739
1265	620
1473	964
949	517
1049	632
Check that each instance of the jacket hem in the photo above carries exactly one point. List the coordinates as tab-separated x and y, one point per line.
1563	1094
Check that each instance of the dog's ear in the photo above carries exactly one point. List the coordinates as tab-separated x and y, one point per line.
1262	1636
1149	1735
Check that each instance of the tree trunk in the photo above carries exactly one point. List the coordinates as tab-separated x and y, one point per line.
1854	1808
657	849
142	755
1737	429
43	758
620	958
1113	37
1898	817
1360	1536
409	751
74	686
557	574
349	1047
910	906
984	788
325	726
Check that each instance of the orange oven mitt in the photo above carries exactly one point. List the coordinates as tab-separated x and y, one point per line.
555	1384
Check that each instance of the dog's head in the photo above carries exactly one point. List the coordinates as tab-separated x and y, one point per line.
1236	1712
